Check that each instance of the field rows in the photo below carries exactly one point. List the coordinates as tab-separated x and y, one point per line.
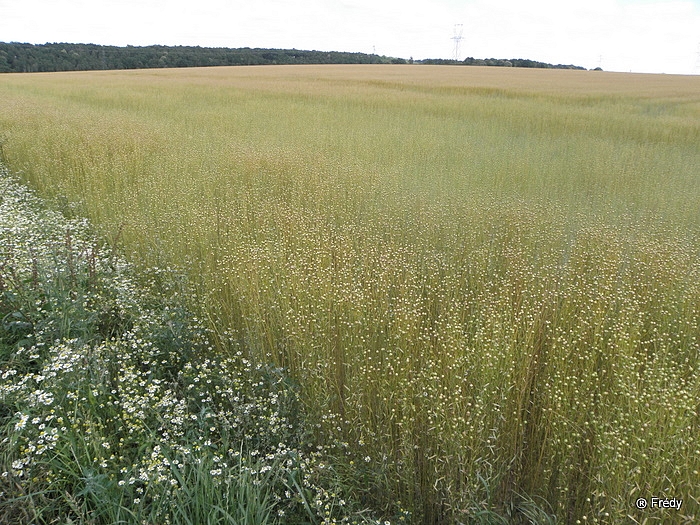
485	282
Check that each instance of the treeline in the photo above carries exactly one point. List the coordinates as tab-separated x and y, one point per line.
30	58
501	62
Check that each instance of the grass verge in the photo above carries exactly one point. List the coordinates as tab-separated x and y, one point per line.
112	407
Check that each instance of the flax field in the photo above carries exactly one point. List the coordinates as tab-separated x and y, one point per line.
484	283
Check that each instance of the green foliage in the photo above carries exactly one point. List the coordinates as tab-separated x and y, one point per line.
113	408
30	58
499	62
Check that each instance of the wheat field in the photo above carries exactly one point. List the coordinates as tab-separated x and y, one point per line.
485	281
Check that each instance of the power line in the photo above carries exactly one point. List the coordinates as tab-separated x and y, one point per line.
458	32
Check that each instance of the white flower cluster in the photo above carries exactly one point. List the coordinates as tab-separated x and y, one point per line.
111	394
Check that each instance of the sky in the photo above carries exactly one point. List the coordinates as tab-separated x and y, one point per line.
645	36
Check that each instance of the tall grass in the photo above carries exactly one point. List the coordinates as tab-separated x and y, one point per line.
114	408
485	281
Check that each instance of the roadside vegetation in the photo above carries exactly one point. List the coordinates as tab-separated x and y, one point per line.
483	283
114	409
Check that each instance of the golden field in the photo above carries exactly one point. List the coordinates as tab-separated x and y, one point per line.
486	281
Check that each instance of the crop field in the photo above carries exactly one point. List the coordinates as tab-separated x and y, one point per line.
484	282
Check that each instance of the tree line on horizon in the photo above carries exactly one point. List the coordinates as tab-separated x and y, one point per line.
500	62
38	58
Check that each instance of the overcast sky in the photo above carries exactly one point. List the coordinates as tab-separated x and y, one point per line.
654	36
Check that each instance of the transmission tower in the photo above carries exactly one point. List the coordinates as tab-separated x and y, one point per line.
458	32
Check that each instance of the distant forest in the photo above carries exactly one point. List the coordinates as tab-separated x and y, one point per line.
30	58
501	62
